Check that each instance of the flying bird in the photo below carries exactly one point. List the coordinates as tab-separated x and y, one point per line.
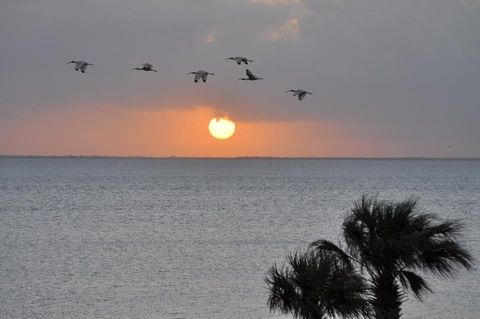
239	60
201	75
299	93
146	67
250	76
80	65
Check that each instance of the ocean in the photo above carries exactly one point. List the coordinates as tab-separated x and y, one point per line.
193	238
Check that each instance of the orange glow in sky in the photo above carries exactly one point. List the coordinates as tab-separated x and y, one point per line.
116	131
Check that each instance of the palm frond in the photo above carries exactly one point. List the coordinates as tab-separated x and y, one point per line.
391	239
442	257
448	229
283	294
326	245
315	284
388	239
414	282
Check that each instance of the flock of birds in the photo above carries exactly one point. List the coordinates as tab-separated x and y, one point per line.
200	74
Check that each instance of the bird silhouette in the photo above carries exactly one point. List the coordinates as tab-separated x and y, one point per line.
80	65
239	59
250	76
146	67
201	74
299	93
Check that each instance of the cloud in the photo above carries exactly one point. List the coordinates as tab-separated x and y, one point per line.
287	31
407	68
276	2
210	37
471	4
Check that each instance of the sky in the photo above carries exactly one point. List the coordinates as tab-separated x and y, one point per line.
391	78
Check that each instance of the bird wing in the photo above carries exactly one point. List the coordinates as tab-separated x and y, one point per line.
301	95
204	76
250	74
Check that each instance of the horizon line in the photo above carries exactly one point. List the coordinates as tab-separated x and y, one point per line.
247	157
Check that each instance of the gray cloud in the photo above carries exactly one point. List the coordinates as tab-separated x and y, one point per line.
404	69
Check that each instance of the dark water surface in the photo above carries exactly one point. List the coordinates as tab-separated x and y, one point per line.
193	238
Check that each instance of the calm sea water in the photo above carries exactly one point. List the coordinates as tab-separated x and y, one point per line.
173	238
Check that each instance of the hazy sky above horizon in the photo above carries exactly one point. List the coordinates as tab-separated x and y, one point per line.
390	77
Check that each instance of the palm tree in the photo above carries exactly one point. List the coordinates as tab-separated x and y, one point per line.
390	242
316	284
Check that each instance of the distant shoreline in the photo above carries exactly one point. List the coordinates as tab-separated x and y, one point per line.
236	157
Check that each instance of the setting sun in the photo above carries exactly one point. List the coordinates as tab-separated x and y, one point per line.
221	128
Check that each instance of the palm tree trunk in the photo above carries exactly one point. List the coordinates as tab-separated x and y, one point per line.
387	298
